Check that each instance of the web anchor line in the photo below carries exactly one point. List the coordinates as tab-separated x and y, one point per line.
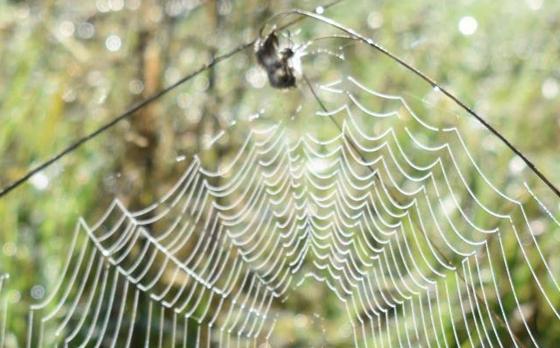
354	35
357	36
132	111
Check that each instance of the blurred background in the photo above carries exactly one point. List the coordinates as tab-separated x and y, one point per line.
67	67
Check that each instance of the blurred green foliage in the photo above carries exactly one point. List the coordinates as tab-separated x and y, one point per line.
67	67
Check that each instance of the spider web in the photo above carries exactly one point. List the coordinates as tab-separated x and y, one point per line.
380	210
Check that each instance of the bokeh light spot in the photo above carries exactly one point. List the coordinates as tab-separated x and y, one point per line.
468	25
113	43
550	88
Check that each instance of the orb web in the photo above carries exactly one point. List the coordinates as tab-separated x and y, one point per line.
213	256
388	211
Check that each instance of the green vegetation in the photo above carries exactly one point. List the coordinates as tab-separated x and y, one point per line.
68	67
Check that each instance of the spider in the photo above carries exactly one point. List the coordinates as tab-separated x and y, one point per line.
281	65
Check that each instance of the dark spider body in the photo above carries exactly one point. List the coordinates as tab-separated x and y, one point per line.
277	63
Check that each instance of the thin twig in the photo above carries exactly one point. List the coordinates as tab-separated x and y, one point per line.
432	82
72	147
131	112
